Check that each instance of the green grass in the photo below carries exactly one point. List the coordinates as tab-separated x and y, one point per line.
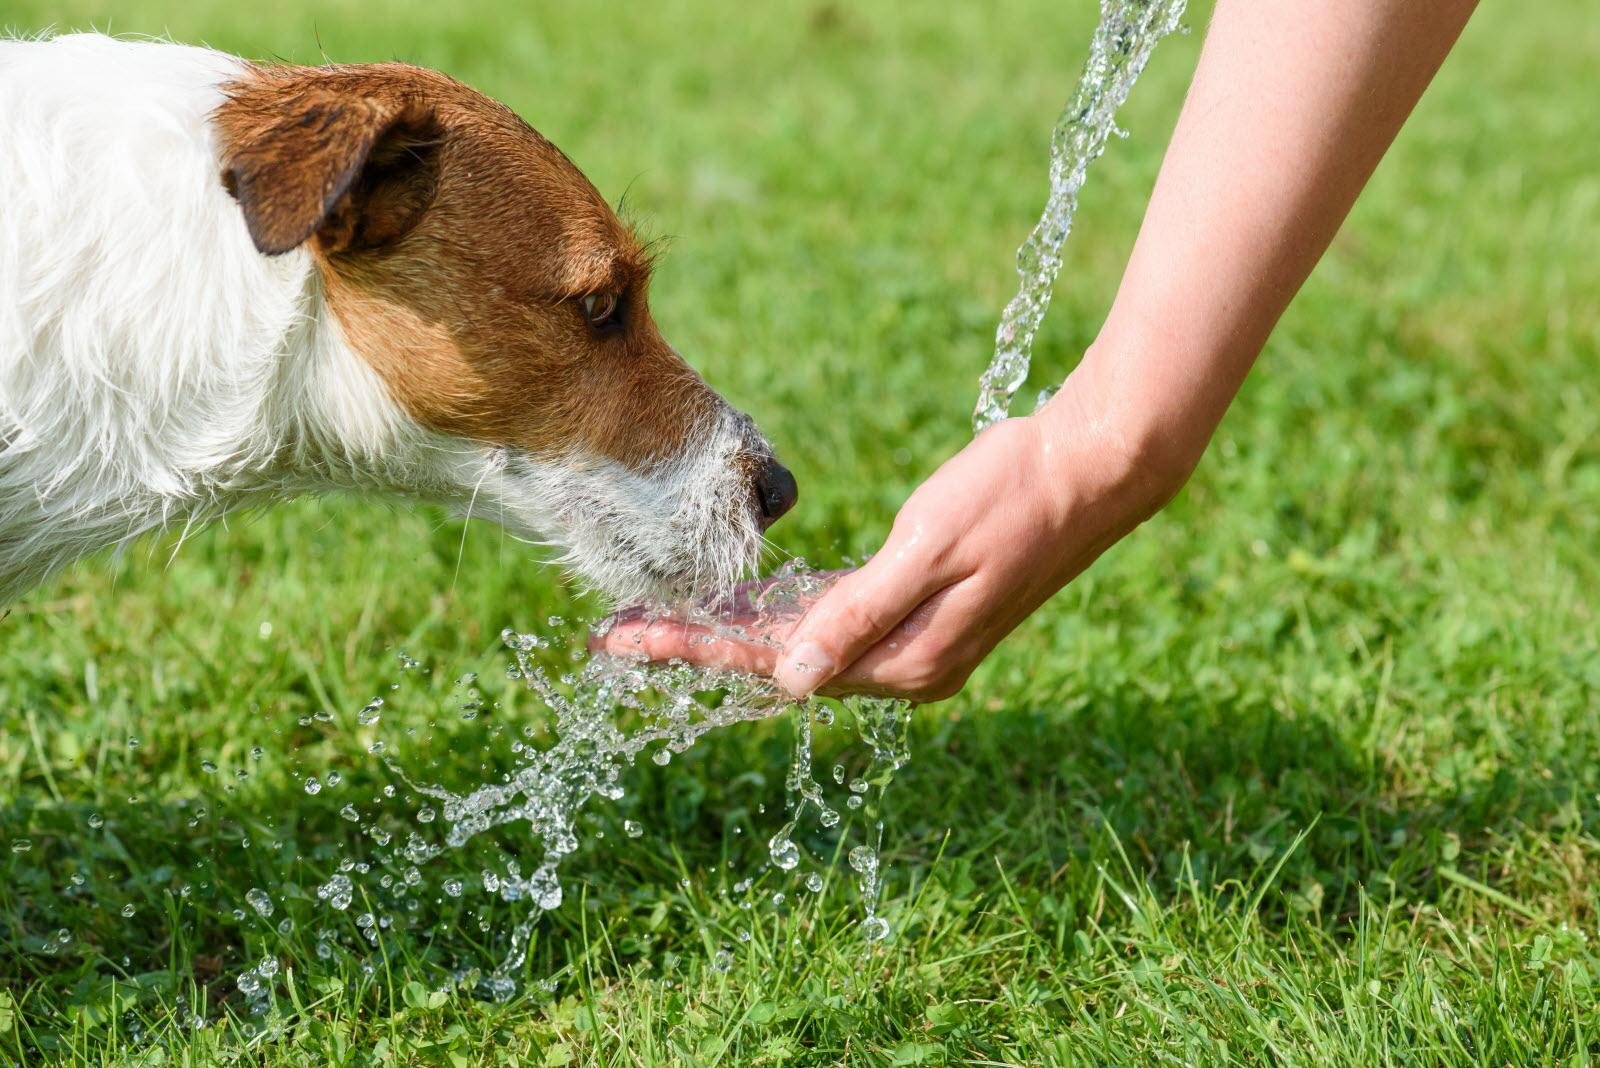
1305	771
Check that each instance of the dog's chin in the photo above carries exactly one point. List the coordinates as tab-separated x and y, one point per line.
669	563
684	529
624	580
675	535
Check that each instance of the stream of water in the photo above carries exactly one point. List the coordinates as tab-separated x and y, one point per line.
1128	33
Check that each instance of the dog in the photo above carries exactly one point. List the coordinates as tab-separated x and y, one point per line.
224	284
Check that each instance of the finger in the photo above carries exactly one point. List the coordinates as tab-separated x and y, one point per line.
929	655
924	657
765	601
662	640
860	608
760	612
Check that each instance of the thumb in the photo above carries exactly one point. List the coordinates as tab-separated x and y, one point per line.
855	614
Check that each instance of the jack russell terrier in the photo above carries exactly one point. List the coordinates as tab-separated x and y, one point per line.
224	284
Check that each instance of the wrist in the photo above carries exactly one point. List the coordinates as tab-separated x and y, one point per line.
1140	443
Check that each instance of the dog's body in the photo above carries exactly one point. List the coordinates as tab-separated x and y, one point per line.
223	284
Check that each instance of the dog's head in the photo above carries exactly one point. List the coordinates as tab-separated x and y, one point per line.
501	301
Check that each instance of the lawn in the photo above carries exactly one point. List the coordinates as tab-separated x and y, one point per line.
1305	771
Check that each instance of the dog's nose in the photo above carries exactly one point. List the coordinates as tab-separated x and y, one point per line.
776	492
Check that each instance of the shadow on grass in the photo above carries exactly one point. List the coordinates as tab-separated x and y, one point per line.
1220	789
1014	800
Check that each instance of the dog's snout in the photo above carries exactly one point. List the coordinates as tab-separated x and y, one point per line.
776	492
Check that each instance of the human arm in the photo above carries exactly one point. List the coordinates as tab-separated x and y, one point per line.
1291	108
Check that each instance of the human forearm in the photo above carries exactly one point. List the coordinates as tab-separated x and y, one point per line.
1291	107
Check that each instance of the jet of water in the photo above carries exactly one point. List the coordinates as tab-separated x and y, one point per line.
666	705
1122	44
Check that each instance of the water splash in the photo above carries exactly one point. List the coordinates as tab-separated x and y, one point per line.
592	724
1122	44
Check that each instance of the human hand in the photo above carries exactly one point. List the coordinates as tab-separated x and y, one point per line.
1273	145
989	537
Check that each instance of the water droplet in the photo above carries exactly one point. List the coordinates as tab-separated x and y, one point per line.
453	887
722	961
662	757
259	901
128	911
337	892
814	882
875	929
864	860
632	829
334	778
21	845
349	812
546	890
785	854
370	712
312	785
376	747
134	743
498	988
96	821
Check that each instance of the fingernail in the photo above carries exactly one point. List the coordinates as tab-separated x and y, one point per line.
804	668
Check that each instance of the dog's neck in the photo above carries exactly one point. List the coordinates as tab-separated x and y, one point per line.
155	370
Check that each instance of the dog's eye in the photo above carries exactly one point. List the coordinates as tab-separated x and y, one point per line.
601	309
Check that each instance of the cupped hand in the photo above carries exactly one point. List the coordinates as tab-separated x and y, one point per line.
995	532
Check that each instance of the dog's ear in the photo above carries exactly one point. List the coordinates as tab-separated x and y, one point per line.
323	154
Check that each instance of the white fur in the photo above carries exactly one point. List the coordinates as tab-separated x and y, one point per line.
156	370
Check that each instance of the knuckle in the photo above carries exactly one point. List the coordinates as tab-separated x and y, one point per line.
859	617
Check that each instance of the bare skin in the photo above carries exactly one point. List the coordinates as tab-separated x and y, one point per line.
1291	108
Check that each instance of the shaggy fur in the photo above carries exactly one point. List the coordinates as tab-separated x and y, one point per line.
156	368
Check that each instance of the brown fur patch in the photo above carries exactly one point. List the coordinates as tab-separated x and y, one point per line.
455	245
